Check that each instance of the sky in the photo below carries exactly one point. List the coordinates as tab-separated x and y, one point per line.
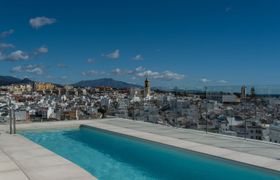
183	43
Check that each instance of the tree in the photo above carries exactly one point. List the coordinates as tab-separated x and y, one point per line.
103	111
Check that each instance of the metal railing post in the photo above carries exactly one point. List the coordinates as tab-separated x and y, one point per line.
11	121
14	123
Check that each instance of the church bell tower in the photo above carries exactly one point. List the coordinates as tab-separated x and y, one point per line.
147	88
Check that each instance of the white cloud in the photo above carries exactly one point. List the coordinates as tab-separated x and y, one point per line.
168	75
90	61
140	68
138	57
133	72
39	51
6	33
114	55
165	75
16	69
103	73
32	69
222	81
149	73
36	70
205	80
38	22
142	72
17	56
138	72
90	73
64	77
118	72
42	49
2	56
6	46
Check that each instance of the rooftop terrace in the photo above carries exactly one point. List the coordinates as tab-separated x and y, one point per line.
23	159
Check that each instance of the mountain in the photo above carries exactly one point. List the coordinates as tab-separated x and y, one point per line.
105	82
8	80
26	81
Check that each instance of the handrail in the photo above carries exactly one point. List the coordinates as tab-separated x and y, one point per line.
12	122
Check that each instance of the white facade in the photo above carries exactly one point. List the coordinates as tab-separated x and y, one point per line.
274	132
20	115
230	98
105	101
50	112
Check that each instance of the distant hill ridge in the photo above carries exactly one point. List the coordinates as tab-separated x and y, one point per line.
109	82
105	82
8	80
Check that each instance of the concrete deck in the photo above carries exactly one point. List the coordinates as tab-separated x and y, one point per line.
256	153
254	147
21	159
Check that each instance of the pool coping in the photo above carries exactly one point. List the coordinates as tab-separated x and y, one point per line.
243	158
184	150
22	159
268	164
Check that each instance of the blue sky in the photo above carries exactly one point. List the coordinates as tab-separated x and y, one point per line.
188	43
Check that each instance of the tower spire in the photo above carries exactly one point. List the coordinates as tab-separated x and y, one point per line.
147	88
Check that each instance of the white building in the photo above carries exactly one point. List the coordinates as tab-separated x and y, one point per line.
50	113
230	99
274	132
105	101
21	115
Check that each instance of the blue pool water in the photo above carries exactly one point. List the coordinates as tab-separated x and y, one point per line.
110	156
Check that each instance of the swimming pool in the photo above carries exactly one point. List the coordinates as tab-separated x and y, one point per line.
111	156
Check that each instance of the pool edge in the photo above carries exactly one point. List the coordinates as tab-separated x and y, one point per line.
271	164
35	162
255	161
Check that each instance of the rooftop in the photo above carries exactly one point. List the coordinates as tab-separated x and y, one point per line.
24	159
21	159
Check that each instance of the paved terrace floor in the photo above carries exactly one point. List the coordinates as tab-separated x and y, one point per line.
21	159
256	153
270	150
24	159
